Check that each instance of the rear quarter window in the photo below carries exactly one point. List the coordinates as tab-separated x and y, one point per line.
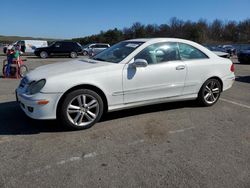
188	52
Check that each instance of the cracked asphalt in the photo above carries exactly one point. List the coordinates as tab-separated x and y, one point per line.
168	145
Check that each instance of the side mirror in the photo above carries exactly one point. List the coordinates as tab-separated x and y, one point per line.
140	63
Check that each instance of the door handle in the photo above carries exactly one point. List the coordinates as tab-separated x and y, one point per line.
180	67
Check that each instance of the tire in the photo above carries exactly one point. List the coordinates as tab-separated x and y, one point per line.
11	73
73	55
85	53
210	92
23	70
4	70
80	109
4	50
43	54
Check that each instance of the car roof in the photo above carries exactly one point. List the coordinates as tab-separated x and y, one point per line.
149	41
152	40
99	43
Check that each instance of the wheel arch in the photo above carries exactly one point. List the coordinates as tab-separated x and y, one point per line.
45	50
214	77
84	86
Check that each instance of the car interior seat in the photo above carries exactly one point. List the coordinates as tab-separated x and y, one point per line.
171	55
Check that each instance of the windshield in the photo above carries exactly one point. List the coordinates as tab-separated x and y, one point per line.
118	52
51	44
86	46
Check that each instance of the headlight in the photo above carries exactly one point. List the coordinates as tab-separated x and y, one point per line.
35	87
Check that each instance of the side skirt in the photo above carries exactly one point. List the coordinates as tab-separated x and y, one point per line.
150	102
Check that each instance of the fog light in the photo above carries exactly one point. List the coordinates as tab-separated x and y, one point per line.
31	109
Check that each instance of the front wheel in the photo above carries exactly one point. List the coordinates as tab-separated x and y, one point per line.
210	92
81	109
85	53
43	54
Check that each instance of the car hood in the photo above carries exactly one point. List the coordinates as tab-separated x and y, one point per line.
66	68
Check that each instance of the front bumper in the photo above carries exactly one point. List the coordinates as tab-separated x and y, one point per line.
29	104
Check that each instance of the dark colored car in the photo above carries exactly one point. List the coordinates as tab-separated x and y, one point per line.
60	48
244	56
218	51
229	49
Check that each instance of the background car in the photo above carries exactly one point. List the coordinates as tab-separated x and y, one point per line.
60	48
94	48
129	74
244	56
219	51
230	49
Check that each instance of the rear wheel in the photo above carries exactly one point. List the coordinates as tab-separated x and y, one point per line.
43	54
81	109
210	92
73	55
23	70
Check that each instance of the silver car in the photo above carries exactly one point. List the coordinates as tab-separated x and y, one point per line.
94	48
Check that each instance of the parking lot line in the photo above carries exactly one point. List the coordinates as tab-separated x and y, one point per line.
235	103
181	130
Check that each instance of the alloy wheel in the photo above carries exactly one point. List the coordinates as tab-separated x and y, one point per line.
211	92
83	110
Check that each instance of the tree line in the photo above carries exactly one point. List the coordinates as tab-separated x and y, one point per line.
200	31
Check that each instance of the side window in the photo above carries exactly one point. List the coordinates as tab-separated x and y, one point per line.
58	44
20	43
68	45
103	46
189	52
160	52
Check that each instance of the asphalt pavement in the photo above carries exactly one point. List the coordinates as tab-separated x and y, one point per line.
168	145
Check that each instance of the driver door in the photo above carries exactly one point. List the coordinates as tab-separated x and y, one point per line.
163	77
57	49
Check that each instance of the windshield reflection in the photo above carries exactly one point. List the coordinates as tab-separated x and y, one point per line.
117	52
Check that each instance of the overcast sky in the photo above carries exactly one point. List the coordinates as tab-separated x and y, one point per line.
78	18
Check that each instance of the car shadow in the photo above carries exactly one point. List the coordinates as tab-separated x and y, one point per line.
13	121
149	109
245	79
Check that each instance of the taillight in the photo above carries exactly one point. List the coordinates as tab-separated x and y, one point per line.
232	68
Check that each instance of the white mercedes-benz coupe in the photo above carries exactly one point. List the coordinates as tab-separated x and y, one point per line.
129	74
